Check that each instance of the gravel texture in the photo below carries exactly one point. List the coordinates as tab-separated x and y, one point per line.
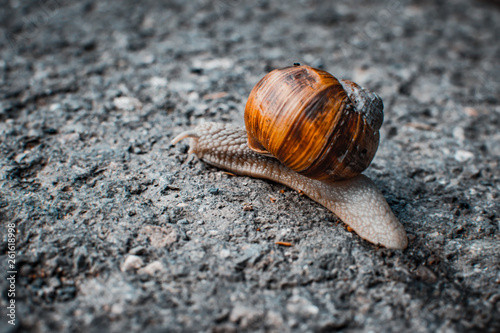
120	231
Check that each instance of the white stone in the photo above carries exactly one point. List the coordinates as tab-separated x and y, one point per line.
131	262
463	155
127	103
152	268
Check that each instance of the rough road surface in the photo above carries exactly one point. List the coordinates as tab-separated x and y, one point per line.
120	231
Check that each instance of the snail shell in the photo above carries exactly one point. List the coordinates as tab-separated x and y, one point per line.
318	126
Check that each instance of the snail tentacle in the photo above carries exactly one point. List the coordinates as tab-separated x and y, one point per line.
357	201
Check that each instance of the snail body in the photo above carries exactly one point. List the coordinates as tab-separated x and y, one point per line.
339	128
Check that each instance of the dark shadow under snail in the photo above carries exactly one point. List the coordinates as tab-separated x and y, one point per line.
315	134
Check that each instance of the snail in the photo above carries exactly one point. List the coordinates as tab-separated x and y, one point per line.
315	134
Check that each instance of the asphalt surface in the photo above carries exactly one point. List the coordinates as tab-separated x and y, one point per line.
120	231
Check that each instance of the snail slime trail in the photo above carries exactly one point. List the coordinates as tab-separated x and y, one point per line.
315	134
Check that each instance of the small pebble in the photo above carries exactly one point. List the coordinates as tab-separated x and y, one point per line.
302	306
158	82
459	133
132	262
152	268
137	250
127	103
429	178
463	155
161	237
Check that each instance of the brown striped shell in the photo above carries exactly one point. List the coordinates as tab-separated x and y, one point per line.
321	127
